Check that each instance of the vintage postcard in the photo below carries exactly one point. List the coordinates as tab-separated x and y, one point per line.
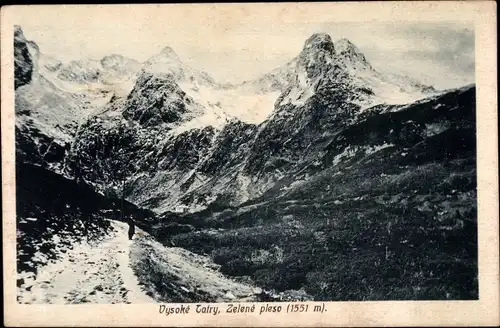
272	164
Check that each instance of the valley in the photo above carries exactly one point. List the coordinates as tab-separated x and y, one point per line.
324	179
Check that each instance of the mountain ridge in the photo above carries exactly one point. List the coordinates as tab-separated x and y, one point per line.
319	90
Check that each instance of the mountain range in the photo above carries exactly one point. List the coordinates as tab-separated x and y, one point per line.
173	133
317	151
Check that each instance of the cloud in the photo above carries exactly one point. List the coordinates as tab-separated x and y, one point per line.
418	49
436	53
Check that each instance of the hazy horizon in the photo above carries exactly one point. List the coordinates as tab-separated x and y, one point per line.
440	54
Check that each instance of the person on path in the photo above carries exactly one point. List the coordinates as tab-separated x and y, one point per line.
131	228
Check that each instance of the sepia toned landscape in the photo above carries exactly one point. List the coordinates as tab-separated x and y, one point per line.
323	179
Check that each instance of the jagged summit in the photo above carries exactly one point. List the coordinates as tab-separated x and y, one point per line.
319	41
317	55
168	52
167	55
122	64
320	49
345	45
347	53
167	61
114	57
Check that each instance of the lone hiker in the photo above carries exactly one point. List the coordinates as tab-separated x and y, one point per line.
131	227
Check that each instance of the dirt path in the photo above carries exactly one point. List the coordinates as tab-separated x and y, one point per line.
174	274
88	273
117	270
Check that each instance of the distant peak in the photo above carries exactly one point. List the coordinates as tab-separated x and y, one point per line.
113	56
166	56
169	52
116	57
319	41
345	50
344	45
117	61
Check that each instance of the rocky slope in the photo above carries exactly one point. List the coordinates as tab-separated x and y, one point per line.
388	211
175	132
23	63
48	108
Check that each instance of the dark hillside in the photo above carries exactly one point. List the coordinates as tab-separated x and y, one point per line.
50	205
390	213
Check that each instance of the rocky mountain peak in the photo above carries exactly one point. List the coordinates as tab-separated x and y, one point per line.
164	61
168	52
319	41
114	58
23	61
345	46
317	55
347	53
18	31
167	61
120	63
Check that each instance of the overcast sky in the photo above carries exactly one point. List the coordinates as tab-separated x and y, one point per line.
436	53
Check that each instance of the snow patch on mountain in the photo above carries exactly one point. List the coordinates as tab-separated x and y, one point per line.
223	105
302	91
385	90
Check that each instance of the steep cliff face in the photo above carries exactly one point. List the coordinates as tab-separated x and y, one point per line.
157	99
23	63
48	109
